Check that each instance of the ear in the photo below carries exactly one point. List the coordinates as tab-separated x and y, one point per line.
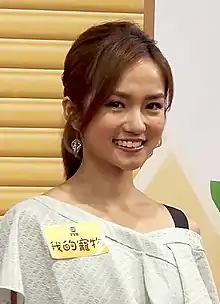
67	107
69	110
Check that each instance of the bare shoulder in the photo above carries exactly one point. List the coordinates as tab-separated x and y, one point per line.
193	225
159	206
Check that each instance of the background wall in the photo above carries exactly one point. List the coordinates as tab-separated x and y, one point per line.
35	36
181	171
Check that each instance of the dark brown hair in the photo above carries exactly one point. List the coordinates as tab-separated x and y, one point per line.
92	69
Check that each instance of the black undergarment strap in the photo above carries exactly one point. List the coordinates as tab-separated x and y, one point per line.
179	217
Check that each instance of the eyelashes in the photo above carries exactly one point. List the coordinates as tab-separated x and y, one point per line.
155	106
152	106
115	104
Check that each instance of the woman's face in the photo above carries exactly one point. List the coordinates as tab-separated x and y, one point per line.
129	125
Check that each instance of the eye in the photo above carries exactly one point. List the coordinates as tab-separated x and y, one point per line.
115	104
154	106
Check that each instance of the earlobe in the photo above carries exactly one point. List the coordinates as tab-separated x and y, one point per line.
67	107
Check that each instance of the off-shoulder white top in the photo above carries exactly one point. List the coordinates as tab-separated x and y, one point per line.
167	266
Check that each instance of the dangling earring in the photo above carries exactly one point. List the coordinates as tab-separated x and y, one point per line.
159	143
76	146
150	154
157	146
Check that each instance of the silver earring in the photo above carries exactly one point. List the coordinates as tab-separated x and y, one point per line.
159	144
150	154
76	146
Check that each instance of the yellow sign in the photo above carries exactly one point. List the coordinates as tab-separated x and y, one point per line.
75	240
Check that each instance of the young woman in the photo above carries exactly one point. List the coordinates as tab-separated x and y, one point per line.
96	238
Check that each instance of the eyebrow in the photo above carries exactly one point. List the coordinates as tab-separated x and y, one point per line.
147	97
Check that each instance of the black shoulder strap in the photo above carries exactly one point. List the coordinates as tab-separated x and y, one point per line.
179	217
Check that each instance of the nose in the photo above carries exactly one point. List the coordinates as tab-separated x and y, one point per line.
135	122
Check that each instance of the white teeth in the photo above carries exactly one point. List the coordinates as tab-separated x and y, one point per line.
129	144
136	144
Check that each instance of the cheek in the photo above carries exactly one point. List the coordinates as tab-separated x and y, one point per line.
160	126
102	128
156	126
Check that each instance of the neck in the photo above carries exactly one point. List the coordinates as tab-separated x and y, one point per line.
102	184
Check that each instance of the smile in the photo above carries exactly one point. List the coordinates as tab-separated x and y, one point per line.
129	145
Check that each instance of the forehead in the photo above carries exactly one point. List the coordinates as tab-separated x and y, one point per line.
144	77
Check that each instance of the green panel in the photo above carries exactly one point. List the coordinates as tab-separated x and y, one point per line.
215	192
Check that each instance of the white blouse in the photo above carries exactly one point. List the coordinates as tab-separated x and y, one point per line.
167	266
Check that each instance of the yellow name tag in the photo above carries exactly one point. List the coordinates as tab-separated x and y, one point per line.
75	240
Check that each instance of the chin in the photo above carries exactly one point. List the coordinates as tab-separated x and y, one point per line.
129	164
130	167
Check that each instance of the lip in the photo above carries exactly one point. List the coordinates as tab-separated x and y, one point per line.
131	139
